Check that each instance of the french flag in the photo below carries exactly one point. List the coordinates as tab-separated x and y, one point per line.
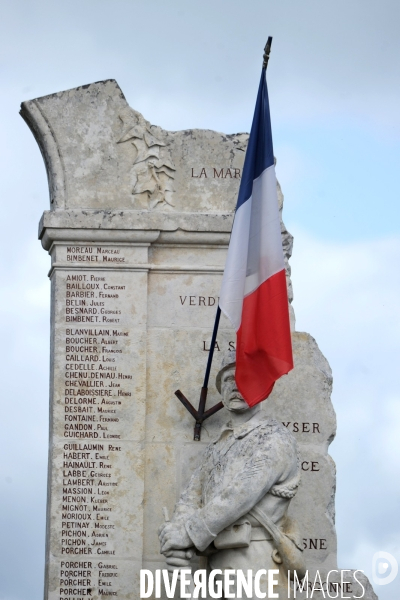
254	294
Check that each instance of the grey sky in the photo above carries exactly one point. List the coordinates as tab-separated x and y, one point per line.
335	95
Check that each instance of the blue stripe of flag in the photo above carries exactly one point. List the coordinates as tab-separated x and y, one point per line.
260	153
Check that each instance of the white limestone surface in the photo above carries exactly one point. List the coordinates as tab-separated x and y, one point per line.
137	230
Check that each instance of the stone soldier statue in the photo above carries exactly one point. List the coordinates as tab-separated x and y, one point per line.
234	509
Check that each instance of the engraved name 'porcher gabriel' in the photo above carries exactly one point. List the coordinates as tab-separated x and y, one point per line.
234	509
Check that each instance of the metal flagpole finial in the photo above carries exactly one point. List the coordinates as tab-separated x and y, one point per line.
267	51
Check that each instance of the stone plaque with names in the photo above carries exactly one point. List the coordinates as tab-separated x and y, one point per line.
137	229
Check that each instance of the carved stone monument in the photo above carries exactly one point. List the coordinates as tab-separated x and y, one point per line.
235	507
137	231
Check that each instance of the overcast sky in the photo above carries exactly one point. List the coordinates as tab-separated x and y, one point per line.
334	89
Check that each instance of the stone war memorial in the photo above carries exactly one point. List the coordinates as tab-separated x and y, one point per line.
137	229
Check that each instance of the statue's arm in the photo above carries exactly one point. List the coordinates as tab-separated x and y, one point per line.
173	534
190	499
253	479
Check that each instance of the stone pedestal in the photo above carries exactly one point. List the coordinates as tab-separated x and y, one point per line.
138	230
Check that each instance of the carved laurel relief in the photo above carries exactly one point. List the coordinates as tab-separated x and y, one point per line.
153	171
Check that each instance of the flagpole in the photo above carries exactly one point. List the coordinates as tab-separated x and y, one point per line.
204	389
203	394
267	51
201	414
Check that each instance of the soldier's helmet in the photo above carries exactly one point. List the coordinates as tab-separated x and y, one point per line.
228	361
